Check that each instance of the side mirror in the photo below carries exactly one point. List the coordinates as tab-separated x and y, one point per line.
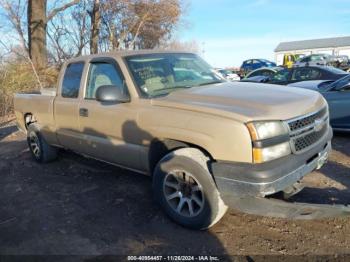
111	94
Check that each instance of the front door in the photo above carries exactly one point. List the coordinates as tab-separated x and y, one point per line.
109	130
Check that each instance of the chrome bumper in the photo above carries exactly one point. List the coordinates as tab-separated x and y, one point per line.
294	176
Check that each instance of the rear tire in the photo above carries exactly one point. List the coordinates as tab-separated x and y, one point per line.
41	151
185	189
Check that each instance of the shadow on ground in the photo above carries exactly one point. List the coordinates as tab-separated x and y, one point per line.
80	206
341	143
84	207
6	131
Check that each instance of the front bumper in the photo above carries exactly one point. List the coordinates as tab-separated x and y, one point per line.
259	180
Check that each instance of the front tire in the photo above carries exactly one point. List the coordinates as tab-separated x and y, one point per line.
41	151
185	189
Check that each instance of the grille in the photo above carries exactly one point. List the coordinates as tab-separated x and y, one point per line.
305	141
306	121
304	132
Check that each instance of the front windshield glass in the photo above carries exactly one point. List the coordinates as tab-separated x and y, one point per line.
280	76
340	83
160	74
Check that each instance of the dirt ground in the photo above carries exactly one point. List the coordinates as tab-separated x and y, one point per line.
77	206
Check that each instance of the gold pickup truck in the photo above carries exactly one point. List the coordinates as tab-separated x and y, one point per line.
169	115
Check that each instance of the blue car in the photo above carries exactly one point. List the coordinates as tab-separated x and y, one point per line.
337	94
253	64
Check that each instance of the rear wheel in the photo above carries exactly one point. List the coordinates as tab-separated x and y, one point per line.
40	149
186	191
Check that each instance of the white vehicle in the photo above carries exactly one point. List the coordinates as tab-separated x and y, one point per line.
227	74
315	60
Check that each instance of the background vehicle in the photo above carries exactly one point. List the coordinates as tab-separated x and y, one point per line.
298	74
203	140
342	62
315	60
253	64
227	74
290	59
337	94
265	71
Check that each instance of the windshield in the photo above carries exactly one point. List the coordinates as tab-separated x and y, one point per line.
280	76
160	74
340	83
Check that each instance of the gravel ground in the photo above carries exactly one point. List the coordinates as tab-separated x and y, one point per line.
77	206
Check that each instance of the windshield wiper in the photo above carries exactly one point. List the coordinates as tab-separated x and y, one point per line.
210	83
173	87
168	88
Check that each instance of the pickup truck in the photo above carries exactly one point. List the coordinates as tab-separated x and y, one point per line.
202	139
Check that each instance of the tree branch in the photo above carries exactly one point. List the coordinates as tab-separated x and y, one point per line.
15	20
55	11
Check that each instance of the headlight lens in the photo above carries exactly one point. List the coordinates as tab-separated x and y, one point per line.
265	131
261	155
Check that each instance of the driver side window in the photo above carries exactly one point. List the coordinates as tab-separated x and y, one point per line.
303	74
100	74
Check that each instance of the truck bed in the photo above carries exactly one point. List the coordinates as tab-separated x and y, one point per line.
38	103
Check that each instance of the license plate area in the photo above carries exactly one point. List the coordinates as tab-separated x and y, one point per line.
322	160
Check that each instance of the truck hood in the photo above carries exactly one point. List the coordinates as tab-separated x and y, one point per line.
244	101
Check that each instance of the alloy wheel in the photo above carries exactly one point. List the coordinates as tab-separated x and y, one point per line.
183	193
34	144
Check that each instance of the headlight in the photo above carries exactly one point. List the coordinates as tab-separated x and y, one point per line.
270	140
263	130
261	155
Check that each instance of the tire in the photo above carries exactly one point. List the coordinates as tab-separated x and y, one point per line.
41	151
182	183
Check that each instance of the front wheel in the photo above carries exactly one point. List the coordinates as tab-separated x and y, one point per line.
186	191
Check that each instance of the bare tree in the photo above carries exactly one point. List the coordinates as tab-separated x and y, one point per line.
174	44
37	27
133	24
37	32
69	33
157	20
95	26
14	10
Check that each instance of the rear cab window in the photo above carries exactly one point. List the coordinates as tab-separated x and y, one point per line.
71	80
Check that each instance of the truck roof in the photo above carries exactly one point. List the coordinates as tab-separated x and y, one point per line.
124	53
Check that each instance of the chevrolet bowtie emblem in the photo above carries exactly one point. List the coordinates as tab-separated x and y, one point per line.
318	125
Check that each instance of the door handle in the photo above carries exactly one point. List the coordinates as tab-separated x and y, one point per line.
83	112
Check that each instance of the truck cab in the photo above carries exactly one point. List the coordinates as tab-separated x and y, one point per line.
290	59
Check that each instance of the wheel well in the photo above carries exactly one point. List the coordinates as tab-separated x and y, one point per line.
159	148
28	119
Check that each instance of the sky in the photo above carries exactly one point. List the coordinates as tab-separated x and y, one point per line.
230	31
